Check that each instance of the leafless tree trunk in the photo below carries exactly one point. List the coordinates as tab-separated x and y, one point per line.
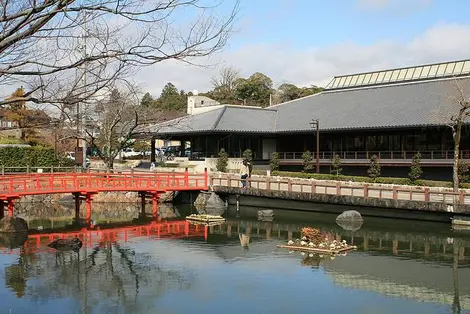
461	103
70	51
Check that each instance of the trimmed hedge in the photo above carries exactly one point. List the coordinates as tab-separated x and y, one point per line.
383	180
35	156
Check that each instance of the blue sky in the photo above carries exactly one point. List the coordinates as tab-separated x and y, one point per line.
308	42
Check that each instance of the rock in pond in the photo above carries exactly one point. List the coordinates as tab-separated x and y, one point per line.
66	244
266	213
349	225
13	225
350	215
209	203
13	240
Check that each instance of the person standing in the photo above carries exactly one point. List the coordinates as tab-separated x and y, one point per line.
244	172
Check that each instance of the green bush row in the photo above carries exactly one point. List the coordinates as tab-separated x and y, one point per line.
383	180
35	156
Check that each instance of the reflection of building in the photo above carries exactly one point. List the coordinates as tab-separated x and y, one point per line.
400	278
391	113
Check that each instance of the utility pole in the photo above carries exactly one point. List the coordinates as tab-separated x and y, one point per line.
316	124
81	120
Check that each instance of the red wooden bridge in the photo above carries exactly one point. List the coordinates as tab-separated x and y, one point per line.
160	230
84	185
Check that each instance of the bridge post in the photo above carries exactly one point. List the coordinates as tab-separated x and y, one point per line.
186	177
205	179
88	198
11	206
142	203
76	197
155	197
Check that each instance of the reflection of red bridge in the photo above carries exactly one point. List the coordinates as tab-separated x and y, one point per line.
84	185
169	229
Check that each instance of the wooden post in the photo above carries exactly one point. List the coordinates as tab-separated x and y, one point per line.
11	207
186	177
366	243
426	195
366	190
461	197
289	185
152	150
205	179
155	206
314	188
186	228
2	209
88	198
338	188
142	203
268	184
395	193
77	206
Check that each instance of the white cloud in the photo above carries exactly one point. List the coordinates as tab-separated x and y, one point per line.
315	65
393	4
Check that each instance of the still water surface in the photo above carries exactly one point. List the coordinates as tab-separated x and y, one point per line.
400	267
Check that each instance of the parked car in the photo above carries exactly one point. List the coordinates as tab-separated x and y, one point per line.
129	152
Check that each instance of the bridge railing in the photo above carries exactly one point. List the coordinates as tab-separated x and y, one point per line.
63	182
364	190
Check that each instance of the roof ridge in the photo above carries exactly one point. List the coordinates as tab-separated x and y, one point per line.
405	83
293	100
219	117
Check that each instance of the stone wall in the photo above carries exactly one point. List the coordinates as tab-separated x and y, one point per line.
396	208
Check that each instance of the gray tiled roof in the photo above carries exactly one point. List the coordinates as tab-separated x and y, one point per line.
225	119
414	104
404	105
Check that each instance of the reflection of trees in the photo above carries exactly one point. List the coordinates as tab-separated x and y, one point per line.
456	308
109	275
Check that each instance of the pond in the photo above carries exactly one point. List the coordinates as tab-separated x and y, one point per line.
400	266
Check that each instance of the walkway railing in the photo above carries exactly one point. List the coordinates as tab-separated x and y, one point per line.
422	194
393	155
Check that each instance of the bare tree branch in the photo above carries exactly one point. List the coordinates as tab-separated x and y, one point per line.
70	51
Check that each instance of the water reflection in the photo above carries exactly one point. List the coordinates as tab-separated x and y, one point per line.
139	269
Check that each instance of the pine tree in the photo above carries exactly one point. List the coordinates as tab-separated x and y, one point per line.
374	168
222	161
307	160
274	162
336	165
248	155
415	169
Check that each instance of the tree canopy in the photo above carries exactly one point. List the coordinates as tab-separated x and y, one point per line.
228	87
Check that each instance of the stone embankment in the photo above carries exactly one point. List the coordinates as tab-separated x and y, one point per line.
393	197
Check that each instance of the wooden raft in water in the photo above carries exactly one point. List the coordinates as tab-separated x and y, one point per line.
205	219
209	224
317	250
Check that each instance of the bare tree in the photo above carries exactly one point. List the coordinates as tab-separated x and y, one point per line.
112	123
460	114
226	79
69	51
224	84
